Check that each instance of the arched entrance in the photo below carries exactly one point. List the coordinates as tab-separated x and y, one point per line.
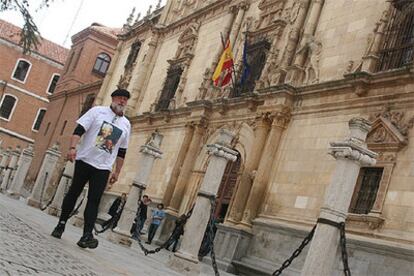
226	189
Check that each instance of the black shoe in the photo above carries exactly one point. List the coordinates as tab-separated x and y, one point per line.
88	241
148	242
58	231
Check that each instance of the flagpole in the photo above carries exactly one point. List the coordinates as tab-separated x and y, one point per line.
233	75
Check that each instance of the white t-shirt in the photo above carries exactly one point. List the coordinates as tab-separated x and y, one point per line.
105	134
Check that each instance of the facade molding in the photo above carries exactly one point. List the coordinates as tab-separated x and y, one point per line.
17	135
24	91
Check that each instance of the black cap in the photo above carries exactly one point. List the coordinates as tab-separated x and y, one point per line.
121	92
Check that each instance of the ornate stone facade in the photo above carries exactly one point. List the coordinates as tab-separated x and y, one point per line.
317	71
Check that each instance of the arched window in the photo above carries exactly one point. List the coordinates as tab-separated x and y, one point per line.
8	103
53	83
102	63
39	119
21	70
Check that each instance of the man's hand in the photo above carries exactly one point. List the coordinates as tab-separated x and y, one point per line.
71	154
114	178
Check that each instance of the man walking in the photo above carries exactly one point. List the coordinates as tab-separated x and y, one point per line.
98	151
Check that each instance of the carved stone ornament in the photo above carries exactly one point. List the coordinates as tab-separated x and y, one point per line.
311	48
389	130
187	41
125	79
270	11
221	151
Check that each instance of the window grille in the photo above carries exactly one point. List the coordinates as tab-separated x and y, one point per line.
133	54
170	87
398	46
366	190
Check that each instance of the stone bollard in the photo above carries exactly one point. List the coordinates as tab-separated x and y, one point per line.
23	166
148	154
10	169
186	259
43	178
3	163
64	183
350	155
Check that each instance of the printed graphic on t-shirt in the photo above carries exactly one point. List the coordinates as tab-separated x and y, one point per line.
108	136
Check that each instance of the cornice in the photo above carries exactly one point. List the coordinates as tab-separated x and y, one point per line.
75	91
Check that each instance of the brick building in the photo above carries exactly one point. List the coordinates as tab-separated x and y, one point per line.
26	81
88	61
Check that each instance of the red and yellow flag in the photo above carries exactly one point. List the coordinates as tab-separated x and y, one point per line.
224	69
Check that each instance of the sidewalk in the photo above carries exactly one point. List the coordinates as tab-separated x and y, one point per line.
26	248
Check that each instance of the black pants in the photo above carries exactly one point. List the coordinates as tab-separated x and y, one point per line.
97	183
151	231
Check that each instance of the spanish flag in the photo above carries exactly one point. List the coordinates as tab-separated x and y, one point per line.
224	69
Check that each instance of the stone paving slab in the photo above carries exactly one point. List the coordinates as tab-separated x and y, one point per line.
26	248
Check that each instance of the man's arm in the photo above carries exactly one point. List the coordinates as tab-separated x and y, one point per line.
74	140
119	162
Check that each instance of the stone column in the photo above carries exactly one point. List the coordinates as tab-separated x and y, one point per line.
46	171
148	154
186	259
370	59
350	155
10	169
242	193
235	30
141	70
294	34
23	166
185	171
63	186
262	177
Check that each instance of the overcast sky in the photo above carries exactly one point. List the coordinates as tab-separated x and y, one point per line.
55	22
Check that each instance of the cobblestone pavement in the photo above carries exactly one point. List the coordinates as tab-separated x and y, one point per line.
26	248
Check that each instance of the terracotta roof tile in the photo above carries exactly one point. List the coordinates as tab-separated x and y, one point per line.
46	47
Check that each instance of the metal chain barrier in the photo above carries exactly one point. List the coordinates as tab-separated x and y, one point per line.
112	220
42	208
340	226
344	254
166	243
212	235
296	253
